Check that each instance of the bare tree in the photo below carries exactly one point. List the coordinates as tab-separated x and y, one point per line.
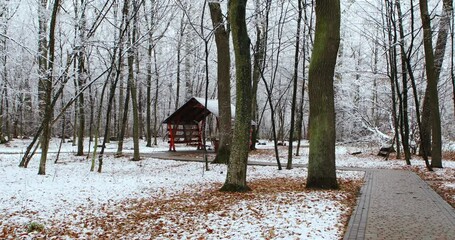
47	81
294	87
432	87
404	120
132	83
81	75
305	45
261	25
224	82
4	19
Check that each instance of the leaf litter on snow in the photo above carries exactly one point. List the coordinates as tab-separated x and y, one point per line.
167	199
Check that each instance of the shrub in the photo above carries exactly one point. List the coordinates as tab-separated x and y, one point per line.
35	227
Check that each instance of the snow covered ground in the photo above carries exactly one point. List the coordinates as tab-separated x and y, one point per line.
76	201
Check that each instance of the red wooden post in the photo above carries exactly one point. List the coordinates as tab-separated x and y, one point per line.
200	126
250	142
171	138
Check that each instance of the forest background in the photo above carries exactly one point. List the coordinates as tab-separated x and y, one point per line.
108	64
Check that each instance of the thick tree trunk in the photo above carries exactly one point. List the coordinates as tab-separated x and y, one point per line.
224	83
237	166
321	167
443	32
432	86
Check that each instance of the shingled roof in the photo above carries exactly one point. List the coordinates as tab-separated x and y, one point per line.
194	111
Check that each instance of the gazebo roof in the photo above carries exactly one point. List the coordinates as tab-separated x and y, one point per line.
193	111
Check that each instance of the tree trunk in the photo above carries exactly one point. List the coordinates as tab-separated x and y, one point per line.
132	85
237	166
148	117
404	94
392	72
124	119
443	32
3	62
48	108
4	103
432	87
300	123
114	83
42	82
148	107
82	76
294	87
258	63
452	60
321	167
155	103
224	83
121	100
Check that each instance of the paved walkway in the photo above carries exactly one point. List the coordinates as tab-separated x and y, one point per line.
397	204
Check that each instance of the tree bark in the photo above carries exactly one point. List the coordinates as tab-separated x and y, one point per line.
321	167
237	166
224	83
432	87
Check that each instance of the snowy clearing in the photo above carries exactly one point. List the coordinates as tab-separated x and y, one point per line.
172	199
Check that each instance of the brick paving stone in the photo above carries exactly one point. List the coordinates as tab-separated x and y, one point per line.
397	204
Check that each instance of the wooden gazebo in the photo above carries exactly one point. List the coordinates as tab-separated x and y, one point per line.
185	124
